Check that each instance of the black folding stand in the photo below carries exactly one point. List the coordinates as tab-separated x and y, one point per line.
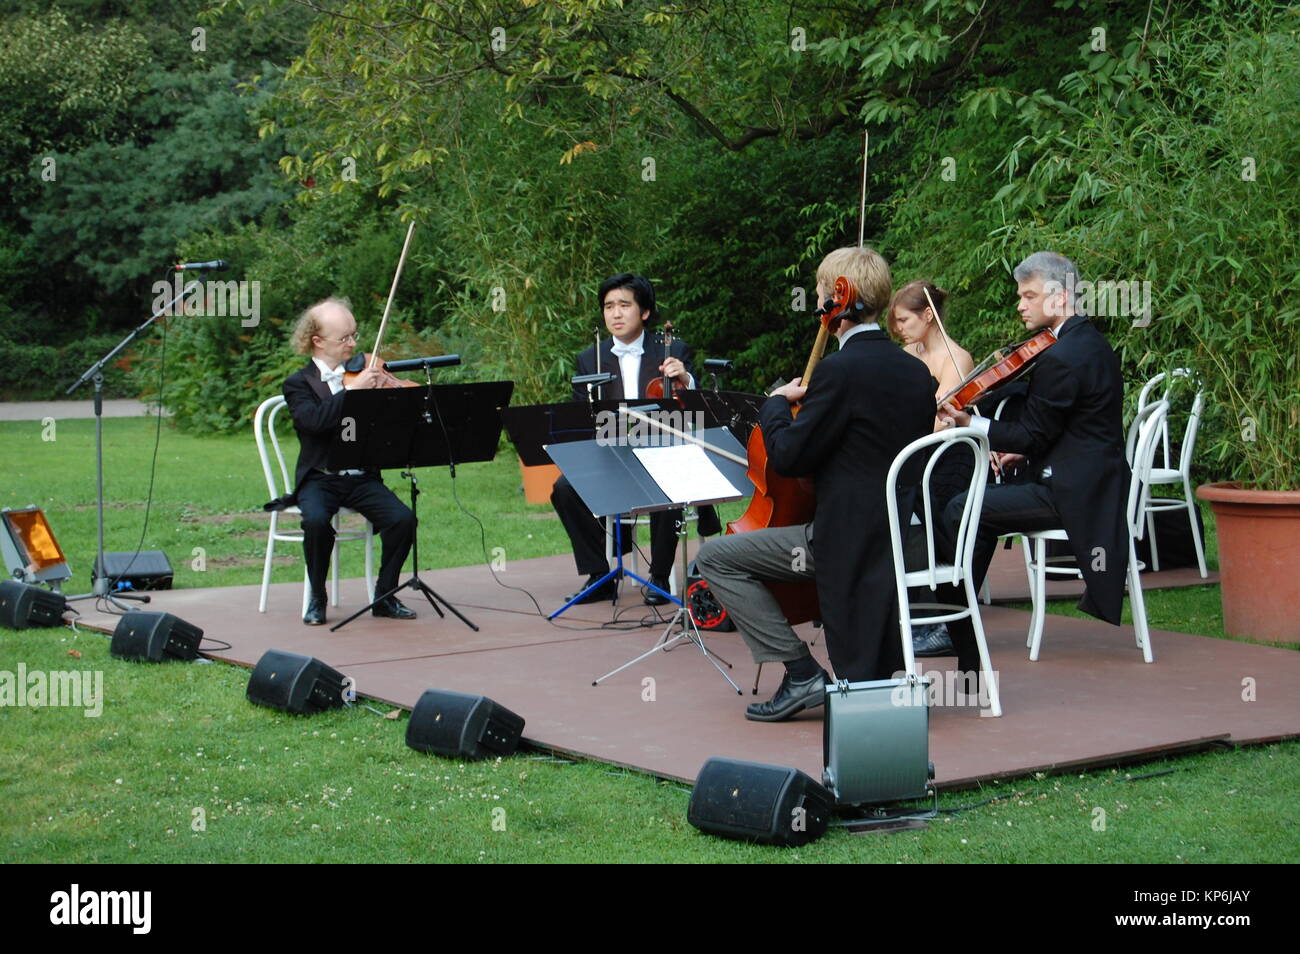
419	427
611	480
536	430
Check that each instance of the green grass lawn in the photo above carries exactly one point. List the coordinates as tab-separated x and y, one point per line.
180	767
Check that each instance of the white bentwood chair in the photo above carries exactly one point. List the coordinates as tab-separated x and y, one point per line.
958	573
1144	435
1166	472
265	433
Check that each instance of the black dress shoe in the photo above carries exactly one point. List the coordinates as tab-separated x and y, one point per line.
391	608
932	640
315	615
606	591
654	597
791	697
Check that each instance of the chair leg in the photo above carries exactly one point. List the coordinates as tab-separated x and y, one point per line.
1196	531
1155	548
306	588
1139	605
266	569
989	679
370	562
905	634
334	565
1039	598
757	676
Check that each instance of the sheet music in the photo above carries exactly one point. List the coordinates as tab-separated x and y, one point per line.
684	473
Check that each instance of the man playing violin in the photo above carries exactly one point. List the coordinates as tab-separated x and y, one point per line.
865	403
627	304
328	333
1072	429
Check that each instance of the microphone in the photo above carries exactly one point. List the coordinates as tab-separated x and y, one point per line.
414	364
603	377
217	266
717	365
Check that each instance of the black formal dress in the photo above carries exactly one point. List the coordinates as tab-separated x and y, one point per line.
1072	428
316	414
866	403
586	533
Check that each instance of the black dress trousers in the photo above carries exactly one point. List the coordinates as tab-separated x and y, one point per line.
321	495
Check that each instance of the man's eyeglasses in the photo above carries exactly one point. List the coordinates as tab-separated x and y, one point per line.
343	340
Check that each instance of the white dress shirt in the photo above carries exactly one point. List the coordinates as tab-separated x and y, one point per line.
333	377
629	366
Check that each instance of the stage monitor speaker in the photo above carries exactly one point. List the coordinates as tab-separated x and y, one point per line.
875	741
146	570
24	605
156	637
749	801
295	683
457	725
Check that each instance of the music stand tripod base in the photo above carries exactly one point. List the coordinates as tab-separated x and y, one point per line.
689	633
414	582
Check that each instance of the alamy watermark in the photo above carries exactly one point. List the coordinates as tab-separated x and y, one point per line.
209	299
618	430
76	906
948	688
1107	298
36	688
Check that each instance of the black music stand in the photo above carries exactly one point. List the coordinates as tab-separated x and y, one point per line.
531	427
737	411
419	427
611	480
534	429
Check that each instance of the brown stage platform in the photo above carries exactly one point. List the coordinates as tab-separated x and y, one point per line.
1089	699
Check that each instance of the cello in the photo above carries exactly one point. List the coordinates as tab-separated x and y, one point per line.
781	501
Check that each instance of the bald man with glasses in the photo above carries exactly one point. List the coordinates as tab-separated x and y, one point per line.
327	332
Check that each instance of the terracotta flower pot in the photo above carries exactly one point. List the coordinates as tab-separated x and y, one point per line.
538	482
1259	559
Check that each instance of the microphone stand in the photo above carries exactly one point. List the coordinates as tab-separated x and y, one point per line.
95	373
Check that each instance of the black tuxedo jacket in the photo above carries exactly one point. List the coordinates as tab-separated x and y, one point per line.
866	403
1073	423
316	415
651	358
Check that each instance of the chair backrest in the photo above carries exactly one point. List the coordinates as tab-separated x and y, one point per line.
1189	435
952	440
264	430
1145	434
1145	397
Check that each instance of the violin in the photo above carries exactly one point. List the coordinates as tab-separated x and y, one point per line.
1004	365
781	501
353	367
665	386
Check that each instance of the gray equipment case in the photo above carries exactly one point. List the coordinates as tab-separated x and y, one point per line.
875	741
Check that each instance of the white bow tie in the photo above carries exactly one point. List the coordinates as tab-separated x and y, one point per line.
621	349
330	377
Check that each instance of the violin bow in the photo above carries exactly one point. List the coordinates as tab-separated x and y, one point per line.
690	438
392	293
943	332
862	208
